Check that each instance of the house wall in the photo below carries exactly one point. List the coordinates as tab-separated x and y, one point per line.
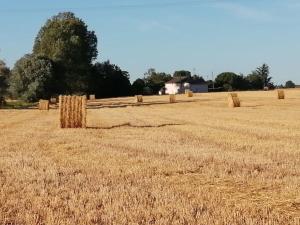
172	88
199	88
180	88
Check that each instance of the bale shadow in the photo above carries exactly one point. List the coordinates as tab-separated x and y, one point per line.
134	126
251	106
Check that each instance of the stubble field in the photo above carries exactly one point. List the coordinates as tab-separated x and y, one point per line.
193	162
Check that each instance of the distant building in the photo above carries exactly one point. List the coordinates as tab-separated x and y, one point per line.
178	85
162	91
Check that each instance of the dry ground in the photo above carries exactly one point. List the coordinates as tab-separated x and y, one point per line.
195	162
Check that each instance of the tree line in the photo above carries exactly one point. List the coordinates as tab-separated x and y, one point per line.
258	79
63	61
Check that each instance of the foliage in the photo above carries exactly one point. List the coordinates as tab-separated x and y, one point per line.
210	83
19	104
290	84
264	72
108	80
258	79
4	75
138	87
226	80
255	81
182	73
32	78
66	40
198	78
156	80
231	81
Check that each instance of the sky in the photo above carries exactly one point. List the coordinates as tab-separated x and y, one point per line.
205	37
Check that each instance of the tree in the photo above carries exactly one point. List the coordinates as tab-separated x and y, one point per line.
108	80
32	78
290	84
230	81
4	75
198	78
66	40
255	81
182	73
155	80
264	72
138	86
225	80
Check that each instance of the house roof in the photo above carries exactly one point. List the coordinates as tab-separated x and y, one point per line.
177	80
181	80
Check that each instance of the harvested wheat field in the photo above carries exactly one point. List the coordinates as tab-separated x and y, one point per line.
195	161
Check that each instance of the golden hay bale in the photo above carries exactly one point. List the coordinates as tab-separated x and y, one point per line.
72	110
43	105
53	100
233	101
281	94
233	95
172	98
189	94
92	97
139	98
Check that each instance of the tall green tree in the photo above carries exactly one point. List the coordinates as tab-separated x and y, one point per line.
230	81
256	82
138	86
66	40
4	75
290	84
264	72
108	80
32	78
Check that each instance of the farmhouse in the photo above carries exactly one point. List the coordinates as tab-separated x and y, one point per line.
178	85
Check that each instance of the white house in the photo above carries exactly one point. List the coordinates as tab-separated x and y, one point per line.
178	85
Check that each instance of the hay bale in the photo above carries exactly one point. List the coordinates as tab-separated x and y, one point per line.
280	94
43	105
233	94
189	94
139	98
92	97
53	100
172	98
233	101
72	110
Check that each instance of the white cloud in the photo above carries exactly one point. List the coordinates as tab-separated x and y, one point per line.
293	4
154	25
245	11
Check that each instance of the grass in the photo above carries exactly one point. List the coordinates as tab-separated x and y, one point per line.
18	105
193	162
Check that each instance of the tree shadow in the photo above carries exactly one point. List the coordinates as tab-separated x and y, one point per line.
134	126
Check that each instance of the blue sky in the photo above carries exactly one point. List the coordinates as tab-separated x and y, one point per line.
198	35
